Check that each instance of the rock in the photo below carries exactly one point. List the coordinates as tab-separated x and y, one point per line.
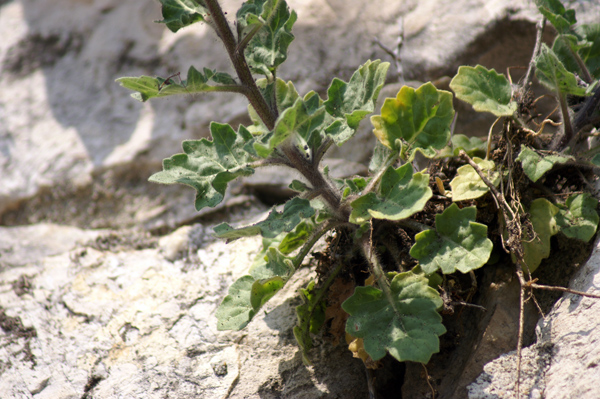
140	323
27	244
563	363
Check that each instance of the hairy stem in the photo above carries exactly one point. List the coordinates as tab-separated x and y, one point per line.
266	114
314	176
299	258
380	277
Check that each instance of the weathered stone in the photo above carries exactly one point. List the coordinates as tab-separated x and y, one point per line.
134	323
564	361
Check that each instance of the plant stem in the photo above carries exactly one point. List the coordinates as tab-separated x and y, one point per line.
267	115
380	277
536	51
314	176
561	140
299	258
585	73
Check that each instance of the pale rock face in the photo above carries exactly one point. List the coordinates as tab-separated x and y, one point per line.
564	361
90	312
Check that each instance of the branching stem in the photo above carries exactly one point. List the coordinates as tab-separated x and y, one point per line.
299	258
238	60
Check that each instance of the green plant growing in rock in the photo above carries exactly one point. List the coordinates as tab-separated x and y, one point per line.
396	310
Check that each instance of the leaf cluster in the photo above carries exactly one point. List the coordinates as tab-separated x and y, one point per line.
398	314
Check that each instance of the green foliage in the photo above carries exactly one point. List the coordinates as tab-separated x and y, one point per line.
578	218
552	73
457	243
294	212
270	25
473	146
147	87
208	166
535	165
399	314
468	185
557	15
178	14
245	298
311	316
400	195
349	103
420	117
406	325
486	90
537	246
303	117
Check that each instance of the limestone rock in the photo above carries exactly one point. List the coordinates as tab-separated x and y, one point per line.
564	361
140	323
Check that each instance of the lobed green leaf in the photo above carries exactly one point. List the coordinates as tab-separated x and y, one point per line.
534	165
542	215
468	185
294	212
208	166
408	328
178	14
275	264
349	103
590	33
551	72
578	218
421	117
304	118
245	298
400	195
486	90
457	243
147	87
557	15
271	24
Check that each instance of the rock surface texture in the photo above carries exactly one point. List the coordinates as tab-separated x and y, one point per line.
564	362
109	284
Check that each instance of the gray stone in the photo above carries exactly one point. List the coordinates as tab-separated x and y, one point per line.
564	361
139	323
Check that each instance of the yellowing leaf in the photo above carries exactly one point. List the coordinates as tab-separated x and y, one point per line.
486	90
408	328
421	117
468	185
